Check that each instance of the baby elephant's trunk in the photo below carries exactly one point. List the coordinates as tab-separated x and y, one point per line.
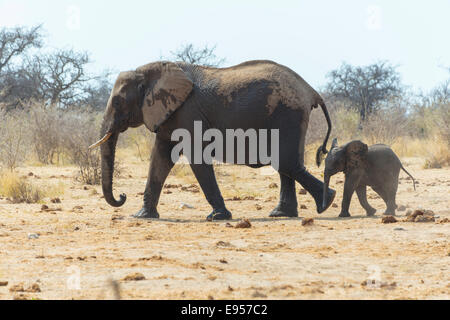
325	190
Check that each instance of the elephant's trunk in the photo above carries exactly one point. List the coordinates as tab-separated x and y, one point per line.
325	189
108	150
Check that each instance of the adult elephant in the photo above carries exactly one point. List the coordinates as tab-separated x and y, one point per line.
166	96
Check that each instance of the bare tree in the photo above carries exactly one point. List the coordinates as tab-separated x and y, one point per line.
201	56
365	87
15	42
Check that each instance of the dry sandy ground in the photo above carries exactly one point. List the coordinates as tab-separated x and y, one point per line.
184	257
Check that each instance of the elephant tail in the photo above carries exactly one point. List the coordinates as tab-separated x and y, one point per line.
414	181
322	151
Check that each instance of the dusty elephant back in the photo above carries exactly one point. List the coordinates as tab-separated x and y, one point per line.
279	83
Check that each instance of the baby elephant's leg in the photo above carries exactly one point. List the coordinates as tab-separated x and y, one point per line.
388	197
361	191
351	182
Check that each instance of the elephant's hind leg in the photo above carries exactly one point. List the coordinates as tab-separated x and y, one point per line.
287	207
361	191
207	180
160	166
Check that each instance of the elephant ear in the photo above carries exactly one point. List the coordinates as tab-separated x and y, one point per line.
355	154
167	89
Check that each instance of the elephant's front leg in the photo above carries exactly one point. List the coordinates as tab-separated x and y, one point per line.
351	182
287	207
361	191
207	180
160	166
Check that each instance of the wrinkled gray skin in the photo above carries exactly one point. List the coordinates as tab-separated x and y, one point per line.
376	166
166	96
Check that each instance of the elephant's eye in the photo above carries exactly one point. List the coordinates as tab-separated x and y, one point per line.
116	103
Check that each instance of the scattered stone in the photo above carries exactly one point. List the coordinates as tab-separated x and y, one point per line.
76	229
17	288
421	216
173	186
167	192
302	192
424	219
20	297
34	288
191	188
3	283
186	206
303	207
334	205
258	207
307	222
243	224
134	277
273	186
116	217
33	236
223	244
388	219
399	229
44	208
401	208
444	220
228	225
56	200
31	174
223	261
85	188
78	208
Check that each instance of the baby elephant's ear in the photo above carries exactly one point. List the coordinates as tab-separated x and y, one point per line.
356	152
168	88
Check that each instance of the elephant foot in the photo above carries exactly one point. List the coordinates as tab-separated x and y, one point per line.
146	214
284	211
319	201
371	212
218	215
345	215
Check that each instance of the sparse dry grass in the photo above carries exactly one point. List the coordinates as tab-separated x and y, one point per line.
23	190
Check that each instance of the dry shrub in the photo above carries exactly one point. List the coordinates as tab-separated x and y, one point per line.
45	125
140	140
437	153
80	132
385	126
20	190
13	139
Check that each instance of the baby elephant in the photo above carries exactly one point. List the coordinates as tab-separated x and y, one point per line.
376	166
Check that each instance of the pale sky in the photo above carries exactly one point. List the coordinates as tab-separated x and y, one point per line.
310	37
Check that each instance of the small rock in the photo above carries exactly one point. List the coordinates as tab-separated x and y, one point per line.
3	283
399	229
17	288
56	200
116	217
258	207
134	277
78	208
424	219
186	206
228	225
44	207
243	224
302	192
258	294
401	208
31	174
388	219
307	222
167	192
34	288
303	207
334	205
223	261
273	186
33	236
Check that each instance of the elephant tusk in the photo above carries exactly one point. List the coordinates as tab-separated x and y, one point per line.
102	141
